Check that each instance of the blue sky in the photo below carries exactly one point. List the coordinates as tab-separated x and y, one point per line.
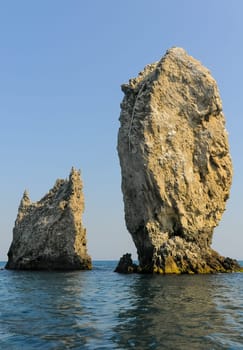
61	66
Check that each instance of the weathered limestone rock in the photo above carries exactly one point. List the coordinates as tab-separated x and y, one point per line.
176	166
48	234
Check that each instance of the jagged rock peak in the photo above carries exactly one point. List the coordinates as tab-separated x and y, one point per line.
175	163
26	198
49	234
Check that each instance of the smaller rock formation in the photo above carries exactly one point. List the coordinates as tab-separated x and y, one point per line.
48	234
126	265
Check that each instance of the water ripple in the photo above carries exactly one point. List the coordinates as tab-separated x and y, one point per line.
102	310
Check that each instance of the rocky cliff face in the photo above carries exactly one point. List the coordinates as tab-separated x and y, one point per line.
176	166
48	234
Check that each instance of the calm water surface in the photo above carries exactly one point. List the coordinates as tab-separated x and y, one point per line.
100	309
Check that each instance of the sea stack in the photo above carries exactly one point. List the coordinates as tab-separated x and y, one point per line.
175	164
49	234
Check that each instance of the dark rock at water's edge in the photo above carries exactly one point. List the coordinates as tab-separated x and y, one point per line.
227	264
126	264
176	166
49	234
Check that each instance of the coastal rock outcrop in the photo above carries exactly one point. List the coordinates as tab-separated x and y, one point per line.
176	167
126	264
48	234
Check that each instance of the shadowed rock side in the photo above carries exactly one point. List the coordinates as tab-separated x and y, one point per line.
126	264
48	234
176	167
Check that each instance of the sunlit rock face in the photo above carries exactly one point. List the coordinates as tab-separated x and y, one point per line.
49	234
175	164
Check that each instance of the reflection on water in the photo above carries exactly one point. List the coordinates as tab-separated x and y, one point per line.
182	312
42	308
102	310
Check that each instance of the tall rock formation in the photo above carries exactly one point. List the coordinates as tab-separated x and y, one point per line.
48	234
176	166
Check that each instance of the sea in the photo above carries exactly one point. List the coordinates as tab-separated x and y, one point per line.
100	309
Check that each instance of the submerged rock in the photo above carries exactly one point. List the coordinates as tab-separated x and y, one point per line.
175	163
48	234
